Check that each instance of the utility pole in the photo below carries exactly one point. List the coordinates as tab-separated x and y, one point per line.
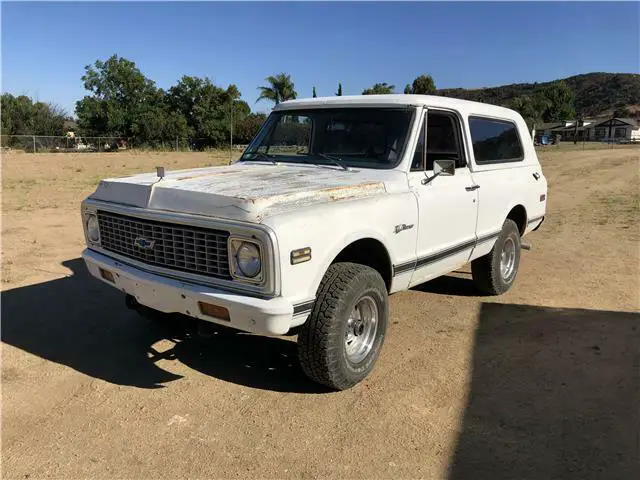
230	130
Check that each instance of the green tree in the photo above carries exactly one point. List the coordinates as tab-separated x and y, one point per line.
207	109
339	92
124	102
279	89
553	103
248	127
379	89
22	116
149	120
622	112
184	96
121	98
531	108
560	102
175	126
422	85
314	93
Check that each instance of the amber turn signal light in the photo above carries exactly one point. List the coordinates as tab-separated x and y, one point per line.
107	275
300	255
214	311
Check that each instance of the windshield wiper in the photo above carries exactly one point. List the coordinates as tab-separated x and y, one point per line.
336	160
263	156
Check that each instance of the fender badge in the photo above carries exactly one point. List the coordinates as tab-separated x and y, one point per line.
401	227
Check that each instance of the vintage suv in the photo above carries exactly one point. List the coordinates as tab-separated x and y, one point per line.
334	205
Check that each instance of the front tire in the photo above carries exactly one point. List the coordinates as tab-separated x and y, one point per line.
495	272
341	340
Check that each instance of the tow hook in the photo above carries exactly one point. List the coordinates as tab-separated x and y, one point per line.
131	302
525	246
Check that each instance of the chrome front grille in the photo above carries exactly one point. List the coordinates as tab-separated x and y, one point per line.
178	247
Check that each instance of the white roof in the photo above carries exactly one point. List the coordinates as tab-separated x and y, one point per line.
462	106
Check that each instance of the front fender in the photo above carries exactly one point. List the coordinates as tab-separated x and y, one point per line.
334	250
329	228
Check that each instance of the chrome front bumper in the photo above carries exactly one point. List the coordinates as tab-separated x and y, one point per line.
273	316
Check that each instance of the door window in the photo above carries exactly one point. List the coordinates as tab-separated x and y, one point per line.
444	142
417	165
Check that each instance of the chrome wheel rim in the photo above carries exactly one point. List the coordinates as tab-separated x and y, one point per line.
508	259
362	326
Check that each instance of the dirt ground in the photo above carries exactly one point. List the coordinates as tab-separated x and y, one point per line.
540	383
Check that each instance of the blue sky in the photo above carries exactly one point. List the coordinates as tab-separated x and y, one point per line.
45	46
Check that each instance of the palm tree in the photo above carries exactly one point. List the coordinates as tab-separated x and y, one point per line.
280	88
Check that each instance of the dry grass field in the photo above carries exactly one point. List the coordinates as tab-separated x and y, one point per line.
542	382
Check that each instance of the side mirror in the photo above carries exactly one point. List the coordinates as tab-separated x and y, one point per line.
444	167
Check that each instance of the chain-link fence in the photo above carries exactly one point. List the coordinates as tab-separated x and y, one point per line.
49	144
80	144
587	145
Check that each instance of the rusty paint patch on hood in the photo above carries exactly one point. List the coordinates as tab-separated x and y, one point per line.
208	174
247	191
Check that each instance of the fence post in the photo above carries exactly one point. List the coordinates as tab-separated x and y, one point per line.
176	143
34	144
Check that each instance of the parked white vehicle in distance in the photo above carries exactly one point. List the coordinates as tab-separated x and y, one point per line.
333	206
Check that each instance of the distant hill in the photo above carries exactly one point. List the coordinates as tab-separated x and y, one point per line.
597	94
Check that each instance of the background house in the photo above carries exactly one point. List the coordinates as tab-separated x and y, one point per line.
616	129
593	129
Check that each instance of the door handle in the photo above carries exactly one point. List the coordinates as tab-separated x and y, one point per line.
472	188
536	175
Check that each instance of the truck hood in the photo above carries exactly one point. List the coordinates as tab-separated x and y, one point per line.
246	191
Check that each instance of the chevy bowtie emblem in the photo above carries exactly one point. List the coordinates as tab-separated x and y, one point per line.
144	244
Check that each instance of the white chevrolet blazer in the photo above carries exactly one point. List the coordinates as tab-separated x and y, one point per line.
337	203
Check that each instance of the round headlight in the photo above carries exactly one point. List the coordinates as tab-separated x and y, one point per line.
248	259
93	231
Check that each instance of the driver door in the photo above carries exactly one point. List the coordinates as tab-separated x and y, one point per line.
447	205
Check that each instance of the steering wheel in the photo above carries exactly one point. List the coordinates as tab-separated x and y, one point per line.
389	147
379	150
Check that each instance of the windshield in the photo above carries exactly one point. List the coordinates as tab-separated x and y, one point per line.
341	137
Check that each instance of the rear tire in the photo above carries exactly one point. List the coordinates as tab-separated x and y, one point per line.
495	272
341	340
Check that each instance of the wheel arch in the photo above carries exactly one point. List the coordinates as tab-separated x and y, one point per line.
367	248
518	213
370	252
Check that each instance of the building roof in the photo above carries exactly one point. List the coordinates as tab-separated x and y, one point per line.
572	128
630	121
588	123
550	125
463	106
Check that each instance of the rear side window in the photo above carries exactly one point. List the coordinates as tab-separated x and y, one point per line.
495	141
